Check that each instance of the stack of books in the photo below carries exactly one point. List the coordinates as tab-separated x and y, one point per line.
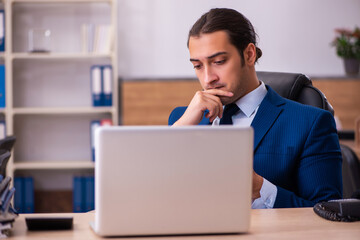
7	212
96	38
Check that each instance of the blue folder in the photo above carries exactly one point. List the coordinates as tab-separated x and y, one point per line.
89	193
93	126
2	30
28	195
2	86
78	193
19	198
96	85
107	85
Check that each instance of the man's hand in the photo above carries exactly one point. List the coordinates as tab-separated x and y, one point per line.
202	101
257	184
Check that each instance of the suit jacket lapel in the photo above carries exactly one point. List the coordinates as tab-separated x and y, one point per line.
269	110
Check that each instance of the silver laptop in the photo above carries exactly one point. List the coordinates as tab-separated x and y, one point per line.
172	180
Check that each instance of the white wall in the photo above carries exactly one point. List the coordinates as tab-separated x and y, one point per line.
294	35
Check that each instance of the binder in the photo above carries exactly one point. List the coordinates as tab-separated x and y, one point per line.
2	129
18	198
2	30
78	194
28	195
107	85
93	126
2	86
89	193
96	85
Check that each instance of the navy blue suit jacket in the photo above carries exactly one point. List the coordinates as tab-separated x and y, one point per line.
296	148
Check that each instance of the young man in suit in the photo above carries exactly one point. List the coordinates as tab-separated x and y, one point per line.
297	157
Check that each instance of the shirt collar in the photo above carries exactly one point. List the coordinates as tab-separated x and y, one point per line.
249	103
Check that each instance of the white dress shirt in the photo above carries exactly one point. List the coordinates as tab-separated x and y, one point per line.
249	105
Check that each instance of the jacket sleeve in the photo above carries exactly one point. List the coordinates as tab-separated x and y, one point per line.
319	174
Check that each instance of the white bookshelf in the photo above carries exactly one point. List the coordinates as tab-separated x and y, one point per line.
54	165
65	110
48	95
59	56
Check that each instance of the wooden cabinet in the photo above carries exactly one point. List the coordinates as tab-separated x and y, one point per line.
344	95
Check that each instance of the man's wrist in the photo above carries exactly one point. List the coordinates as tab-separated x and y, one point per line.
257	184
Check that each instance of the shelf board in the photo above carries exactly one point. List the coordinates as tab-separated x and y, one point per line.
79	56
54	165
63	110
62	1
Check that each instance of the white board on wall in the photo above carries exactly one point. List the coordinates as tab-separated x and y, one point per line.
294	35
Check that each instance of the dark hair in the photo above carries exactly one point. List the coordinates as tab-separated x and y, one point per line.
239	29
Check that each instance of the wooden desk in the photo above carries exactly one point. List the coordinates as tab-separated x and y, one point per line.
299	223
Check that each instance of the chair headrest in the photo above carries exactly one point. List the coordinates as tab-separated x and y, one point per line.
287	85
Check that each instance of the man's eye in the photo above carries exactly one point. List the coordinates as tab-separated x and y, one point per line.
197	66
220	62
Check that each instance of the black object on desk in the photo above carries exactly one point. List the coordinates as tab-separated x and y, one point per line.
344	210
48	223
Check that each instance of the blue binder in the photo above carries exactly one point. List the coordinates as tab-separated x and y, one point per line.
78	194
89	193
2	30
107	85
2	86
93	126
96	85
18	198
28	195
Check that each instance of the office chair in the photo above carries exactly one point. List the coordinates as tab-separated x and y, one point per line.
6	146
7	143
293	86
4	158
350	171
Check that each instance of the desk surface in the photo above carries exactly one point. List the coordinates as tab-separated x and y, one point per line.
295	223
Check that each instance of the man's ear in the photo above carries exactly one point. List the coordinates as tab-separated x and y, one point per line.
250	54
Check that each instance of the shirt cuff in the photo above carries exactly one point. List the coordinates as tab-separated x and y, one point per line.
267	197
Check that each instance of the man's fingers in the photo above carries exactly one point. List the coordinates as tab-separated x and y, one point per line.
219	92
215	102
214	106
202	101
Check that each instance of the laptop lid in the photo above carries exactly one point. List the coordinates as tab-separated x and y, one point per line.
172	180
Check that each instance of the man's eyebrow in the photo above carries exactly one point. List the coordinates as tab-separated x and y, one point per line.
209	57
216	54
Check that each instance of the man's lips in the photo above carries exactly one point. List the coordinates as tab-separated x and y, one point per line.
215	87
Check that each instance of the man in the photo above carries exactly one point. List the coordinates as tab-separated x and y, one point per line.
297	157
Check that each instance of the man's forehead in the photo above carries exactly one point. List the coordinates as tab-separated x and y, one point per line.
208	44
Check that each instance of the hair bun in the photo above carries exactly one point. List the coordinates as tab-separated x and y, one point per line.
258	53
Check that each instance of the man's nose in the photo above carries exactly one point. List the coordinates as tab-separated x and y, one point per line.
209	75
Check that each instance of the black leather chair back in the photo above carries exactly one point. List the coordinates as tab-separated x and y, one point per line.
297	87
350	171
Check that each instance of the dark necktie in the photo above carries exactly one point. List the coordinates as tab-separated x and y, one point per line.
229	111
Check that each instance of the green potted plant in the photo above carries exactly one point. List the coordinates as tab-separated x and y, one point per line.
347	45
